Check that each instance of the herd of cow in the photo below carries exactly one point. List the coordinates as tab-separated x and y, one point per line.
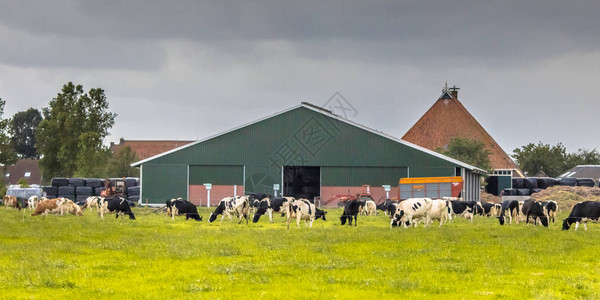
407	213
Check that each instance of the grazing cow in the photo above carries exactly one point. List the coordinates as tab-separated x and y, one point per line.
411	209
32	202
91	201
301	209
582	212
319	213
182	207
489	209
370	208
535	210
254	200
269	205
115	204
388	207
70	207
439	210
351	208
228	206
11	201
512	207
551	208
49	206
465	208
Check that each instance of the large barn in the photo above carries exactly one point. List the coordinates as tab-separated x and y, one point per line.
306	150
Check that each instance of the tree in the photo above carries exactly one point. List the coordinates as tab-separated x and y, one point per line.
582	157
71	134
120	164
470	151
22	127
8	155
533	158
92	158
23	183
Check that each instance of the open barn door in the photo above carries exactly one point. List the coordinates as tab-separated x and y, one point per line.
302	182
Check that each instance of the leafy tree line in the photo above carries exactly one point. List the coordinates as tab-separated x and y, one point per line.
531	158
67	136
553	160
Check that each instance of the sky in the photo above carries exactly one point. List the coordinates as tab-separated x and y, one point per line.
528	71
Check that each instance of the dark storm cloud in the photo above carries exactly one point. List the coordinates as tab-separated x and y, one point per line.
498	33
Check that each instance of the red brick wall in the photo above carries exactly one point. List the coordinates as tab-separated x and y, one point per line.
218	192
378	193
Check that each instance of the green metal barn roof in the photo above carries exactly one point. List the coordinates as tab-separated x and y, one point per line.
327	113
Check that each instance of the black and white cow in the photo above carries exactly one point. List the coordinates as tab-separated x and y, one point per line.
271	204
582	212
301	209
551	209
465	208
534	209
115	204
388	207
490	209
411	209
351	209
228	206
254	200
512	208
179	207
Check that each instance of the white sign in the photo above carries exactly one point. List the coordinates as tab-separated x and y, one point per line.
208	186
276	187
387	188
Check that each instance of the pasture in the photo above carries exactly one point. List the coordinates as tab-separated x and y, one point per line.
85	257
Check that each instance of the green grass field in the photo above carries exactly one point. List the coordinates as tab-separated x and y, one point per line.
84	257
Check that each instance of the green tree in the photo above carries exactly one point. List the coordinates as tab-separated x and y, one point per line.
582	157
22	127
8	156
69	139
473	152
532	158
120	164
23	183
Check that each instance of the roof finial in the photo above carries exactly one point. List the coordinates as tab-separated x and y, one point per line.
445	87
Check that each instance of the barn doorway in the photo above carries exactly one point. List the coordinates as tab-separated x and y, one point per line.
302	182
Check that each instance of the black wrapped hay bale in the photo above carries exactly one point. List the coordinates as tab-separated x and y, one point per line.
536	191
59	181
134	198
523	192
509	192
66	191
98	191
130	181
545	182
50	190
80	199
531	183
567	181
589	182
84	191
76	182
133	191
518	183
94	182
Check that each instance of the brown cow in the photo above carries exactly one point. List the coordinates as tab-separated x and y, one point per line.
57	206
51	206
11	201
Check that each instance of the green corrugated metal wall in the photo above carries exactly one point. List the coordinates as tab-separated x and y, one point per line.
217	175
357	176
163	182
302	137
